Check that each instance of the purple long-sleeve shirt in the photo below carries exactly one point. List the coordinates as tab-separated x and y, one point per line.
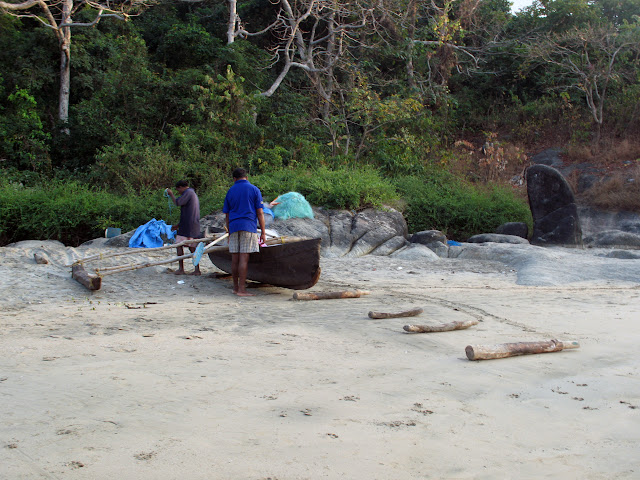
189	204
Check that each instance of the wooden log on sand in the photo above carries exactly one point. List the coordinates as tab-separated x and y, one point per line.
443	327
329	295
92	282
407	313
503	350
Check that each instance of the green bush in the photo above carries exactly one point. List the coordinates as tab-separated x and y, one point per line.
440	201
72	212
340	188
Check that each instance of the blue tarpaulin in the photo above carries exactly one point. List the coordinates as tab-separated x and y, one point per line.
149	234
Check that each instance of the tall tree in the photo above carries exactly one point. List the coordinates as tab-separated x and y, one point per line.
589	59
58	16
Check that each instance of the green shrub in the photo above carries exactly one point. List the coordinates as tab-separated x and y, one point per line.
440	201
340	188
72	212
135	165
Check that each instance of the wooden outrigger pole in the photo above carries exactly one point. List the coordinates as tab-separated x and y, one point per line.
93	281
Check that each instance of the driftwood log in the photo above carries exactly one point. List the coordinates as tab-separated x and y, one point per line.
407	313
92	282
443	327
329	295
503	350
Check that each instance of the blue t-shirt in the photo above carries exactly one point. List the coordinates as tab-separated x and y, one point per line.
242	203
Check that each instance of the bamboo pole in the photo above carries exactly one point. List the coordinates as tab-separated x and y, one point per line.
329	295
102	256
443	327
503	350
125	268
407	313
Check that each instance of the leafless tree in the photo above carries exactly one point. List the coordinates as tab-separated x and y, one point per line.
588	59
58	16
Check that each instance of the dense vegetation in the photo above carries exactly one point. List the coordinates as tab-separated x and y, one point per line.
428	107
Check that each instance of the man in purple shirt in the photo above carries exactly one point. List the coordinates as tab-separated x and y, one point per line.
243	206
189	226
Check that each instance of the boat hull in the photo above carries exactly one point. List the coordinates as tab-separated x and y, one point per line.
294	264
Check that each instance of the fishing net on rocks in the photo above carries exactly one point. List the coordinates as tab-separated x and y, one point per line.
292	205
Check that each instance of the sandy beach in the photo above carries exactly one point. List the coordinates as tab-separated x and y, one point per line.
163	377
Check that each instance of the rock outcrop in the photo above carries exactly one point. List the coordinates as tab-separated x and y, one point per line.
553	207
343	232
497	238
613	238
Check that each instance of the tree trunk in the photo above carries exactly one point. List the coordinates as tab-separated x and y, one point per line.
233	19
412	14
64	39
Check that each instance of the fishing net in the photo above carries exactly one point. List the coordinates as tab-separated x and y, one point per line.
292	205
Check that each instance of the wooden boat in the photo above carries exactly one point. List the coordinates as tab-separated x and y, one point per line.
288	262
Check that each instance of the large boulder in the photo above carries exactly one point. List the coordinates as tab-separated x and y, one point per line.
519	229
390	246
553	207
434	239
427	237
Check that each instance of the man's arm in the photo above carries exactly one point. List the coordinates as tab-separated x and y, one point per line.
226	215
173	197
263	235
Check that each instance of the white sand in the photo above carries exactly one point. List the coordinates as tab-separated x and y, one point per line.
151	379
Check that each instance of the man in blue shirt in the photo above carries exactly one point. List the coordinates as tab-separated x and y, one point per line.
243	206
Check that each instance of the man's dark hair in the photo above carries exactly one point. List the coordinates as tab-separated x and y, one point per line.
239	173
182	183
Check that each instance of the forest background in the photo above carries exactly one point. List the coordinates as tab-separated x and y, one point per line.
430	107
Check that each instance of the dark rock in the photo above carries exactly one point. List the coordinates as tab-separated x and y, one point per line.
497	238
613	238
120	240
552	203
586	181
549	157
519	229
427	237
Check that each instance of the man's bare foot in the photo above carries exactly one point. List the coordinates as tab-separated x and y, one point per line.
179	272
245	294
196	273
